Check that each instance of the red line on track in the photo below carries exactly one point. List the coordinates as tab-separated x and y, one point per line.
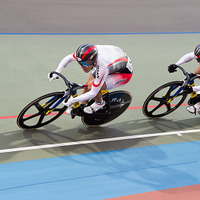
140	107
130	108
15	116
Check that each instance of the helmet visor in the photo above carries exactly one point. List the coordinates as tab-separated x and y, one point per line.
84	64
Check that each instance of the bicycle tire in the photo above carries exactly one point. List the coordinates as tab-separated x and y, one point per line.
119	102
164	106
36	111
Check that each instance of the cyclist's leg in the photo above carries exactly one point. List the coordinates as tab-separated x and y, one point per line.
194	108
99	103
112	81
117	80
85	89
89	83
98	97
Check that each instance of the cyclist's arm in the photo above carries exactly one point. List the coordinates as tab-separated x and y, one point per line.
186	58
65	61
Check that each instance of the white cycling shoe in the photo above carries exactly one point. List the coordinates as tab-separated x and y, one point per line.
94	107
194	109
69	111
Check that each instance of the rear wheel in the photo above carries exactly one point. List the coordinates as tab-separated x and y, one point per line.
39	112
119	101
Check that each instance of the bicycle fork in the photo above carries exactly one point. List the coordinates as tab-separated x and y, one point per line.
55	105
193	94
75	105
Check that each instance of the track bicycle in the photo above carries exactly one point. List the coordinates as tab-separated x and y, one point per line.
168	97
47	108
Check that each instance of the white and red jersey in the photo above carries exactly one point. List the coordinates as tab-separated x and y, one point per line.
113	67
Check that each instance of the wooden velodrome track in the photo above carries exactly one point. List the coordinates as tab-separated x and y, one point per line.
129	158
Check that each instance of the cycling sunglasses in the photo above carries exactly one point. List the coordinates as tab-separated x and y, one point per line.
84	64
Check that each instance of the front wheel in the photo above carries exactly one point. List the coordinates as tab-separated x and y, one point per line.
164	100
42	111
116	103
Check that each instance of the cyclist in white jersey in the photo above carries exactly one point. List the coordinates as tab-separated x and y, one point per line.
187	58
113	68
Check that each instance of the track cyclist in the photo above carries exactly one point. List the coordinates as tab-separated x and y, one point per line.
187	58
111	68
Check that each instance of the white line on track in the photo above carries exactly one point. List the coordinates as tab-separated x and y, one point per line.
179	133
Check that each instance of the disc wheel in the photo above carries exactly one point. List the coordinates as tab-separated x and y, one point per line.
119	102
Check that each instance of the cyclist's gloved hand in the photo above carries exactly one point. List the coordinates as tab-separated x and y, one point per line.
52	77
188	89
69	103
172	68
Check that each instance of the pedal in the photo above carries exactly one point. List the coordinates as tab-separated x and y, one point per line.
194	100
77	111
73	115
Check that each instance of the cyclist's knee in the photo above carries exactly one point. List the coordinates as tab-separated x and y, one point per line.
89	84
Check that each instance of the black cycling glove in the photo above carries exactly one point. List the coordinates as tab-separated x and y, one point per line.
172	68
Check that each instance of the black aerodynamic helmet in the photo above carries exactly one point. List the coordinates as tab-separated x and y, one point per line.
86	52
197	53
